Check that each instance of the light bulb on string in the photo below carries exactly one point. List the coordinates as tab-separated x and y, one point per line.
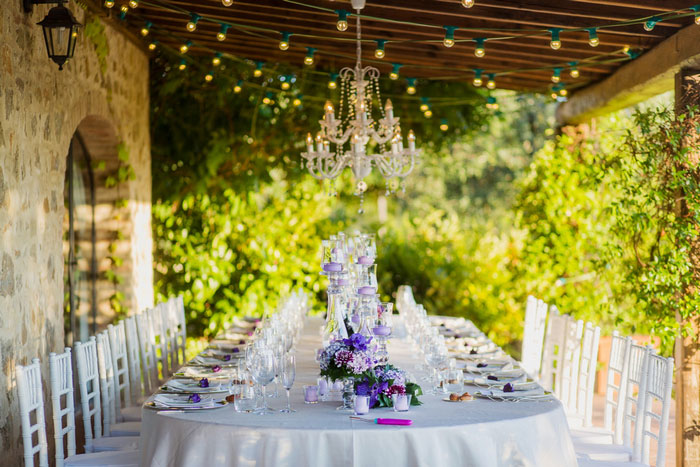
467	3
333	81
239	85
379	51
185	47
651	23
297	100
491	103
573	71
696	9
227	2
593	40
555	42
258	69
209	76
146	29
394	75
491	83
216	61
153	45
554	95
284	42
556	75
309	58
182	65
443	125
109	3
428	113
480	50
123	12
424	104
342	23
267	100
411	86
133	4
192	23
563	92
285	85
477	77
221	35
449	39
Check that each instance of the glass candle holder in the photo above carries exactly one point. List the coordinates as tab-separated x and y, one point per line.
310	394
323	387
401	402
361	404
454	380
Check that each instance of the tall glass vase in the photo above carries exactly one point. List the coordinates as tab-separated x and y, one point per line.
348	392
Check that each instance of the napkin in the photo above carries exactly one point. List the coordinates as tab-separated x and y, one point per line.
181	401
211	361
204	372
192	386
493	392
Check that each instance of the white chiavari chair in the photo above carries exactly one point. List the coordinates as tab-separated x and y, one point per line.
61	373
149	364
533	335
553	351
136	390
658	387
633	413
120	362
171	330
581	412
31	399
611	431
181	336
156	316
571	360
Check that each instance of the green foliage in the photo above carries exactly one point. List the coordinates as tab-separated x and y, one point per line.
95	33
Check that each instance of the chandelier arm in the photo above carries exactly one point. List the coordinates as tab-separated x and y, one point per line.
379	139
384	165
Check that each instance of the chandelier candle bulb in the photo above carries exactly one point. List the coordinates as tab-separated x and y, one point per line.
309	143
411	141
389	110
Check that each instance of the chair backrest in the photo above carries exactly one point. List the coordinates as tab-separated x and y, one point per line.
31	399
586	373
148	355
61	371
105	366
158	327
89	384
615	385
657	388
181	335
134	358
550	373
634	398
571	361
169	310
120	362
533	337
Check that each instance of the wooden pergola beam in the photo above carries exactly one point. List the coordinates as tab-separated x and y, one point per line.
651	74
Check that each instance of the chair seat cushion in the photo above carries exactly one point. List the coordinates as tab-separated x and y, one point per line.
131	414
104	459
603	452
115	443
125	429
592	435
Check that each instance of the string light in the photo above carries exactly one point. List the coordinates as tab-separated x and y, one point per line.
124	10
333	81
491	103
428	113
297	100
593	40
109	4
477	77
342	23
443	125
284	43
491	83
467	3
649	25
216	61
185	47
267	100
696	9
555	43
379	51
153	45
573	71
394	75
424	104
258	69
411	85
479	50
133	4
449	39
146	28
221	35
183	65
227	2
563	92
239	85
192	23
209	76
309	59
556	75
286	82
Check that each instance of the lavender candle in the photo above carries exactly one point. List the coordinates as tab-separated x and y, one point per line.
322	387
361	405
401	402
381	330
310	394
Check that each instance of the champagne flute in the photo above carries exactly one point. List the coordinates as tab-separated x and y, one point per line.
288	374
263	374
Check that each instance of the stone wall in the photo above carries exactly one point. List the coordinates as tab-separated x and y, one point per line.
40	109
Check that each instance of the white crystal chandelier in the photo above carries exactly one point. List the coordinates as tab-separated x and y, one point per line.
373	142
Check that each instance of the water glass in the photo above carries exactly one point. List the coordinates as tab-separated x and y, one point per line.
361	404
245	400
454	380
401	402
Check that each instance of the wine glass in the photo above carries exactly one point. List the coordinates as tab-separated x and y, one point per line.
263	371
435	355
287	375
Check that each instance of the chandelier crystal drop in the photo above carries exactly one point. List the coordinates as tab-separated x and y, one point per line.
372	131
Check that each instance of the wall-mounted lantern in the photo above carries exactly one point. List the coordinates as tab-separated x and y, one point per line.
60	30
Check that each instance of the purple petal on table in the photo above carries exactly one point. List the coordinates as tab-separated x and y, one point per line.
194	398
492	378
241	342
235	350
457	336
227	358
508	388
216	368
482	365
250	333
473	352
204	383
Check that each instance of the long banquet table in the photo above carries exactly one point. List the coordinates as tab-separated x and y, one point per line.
481	432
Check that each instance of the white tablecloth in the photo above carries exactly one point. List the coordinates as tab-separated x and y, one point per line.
475	433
